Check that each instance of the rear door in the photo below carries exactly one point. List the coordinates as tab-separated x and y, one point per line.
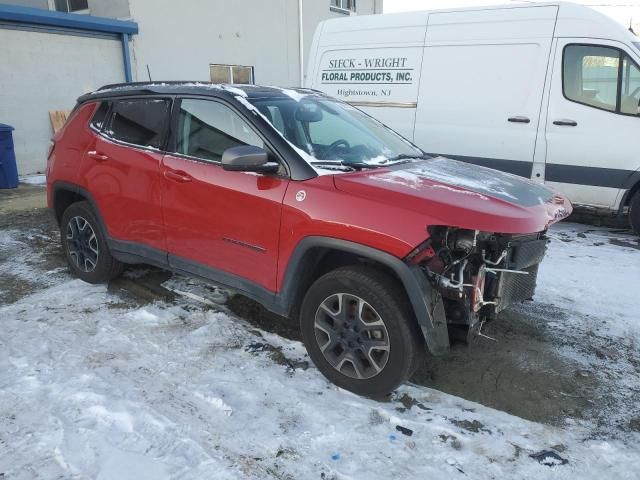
592	121
482	83
121	169
219	223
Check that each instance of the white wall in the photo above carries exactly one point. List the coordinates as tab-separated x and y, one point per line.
179	43
40	72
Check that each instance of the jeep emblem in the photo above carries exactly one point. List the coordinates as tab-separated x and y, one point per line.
301	195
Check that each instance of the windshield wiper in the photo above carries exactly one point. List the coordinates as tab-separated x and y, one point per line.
406	158
345	164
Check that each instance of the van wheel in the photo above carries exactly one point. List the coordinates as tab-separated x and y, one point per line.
359	331
634	213
85	246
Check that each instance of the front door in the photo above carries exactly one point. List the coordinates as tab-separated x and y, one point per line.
592	121
219	223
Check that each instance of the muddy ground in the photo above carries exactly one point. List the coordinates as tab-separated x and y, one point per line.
532	366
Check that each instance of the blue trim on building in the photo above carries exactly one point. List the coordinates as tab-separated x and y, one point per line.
39	16
61	22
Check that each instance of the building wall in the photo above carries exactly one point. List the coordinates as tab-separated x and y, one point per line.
180	43
111	9
42	72
28	3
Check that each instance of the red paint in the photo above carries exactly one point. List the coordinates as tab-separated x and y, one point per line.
225	220
249	225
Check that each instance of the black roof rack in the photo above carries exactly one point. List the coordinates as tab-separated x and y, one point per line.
190	87
148	84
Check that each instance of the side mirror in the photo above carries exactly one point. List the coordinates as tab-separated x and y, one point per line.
247	158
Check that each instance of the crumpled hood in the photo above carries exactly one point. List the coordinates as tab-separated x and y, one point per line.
460	194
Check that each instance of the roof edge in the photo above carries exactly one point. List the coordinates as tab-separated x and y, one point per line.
39	16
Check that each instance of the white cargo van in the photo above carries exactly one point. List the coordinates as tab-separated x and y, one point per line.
547	91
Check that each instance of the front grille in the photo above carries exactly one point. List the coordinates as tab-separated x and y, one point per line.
516	287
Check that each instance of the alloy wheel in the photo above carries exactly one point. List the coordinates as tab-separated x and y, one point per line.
352	336
82	244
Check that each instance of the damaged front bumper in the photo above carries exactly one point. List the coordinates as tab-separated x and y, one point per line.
467	277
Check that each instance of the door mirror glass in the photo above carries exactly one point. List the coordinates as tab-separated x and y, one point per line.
248	158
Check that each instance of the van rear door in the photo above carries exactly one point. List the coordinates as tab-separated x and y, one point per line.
593	121
481	87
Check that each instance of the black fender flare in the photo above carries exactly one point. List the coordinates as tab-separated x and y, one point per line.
77	189
426	303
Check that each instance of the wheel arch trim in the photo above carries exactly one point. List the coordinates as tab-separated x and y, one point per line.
426	304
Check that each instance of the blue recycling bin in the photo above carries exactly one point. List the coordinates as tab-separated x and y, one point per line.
8	167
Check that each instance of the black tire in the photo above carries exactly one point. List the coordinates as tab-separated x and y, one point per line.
634	212
72	224
383	300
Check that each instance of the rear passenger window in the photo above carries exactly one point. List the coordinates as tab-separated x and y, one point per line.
207	128
140	121
99	116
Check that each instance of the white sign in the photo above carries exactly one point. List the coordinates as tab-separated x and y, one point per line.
384	75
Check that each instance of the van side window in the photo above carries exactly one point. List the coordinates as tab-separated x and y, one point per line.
630	97
100	114
592	75
140	121
207	128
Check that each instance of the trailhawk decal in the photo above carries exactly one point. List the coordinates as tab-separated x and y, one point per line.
377	77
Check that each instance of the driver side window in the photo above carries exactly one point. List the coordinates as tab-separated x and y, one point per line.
630	97
601	77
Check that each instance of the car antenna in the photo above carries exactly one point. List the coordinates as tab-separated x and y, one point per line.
149	73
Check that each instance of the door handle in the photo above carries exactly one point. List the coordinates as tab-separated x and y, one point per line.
519	119
97	156
565	123
177	176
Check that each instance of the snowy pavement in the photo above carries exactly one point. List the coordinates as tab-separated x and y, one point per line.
99	382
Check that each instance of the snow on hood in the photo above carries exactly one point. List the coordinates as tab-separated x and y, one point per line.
466	179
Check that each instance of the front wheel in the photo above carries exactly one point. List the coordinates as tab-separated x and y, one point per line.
85	246
634	212
359	331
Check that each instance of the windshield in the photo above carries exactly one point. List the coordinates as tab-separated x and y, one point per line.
331	132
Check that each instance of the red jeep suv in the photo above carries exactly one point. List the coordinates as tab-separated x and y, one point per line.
305	204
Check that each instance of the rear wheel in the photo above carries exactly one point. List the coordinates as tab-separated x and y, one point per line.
359	331
634	212
85	246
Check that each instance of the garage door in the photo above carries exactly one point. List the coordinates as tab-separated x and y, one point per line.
41	72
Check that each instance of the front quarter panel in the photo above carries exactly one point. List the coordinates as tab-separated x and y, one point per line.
316	208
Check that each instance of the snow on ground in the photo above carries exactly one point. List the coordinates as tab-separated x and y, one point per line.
595	277
34	179
94	385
